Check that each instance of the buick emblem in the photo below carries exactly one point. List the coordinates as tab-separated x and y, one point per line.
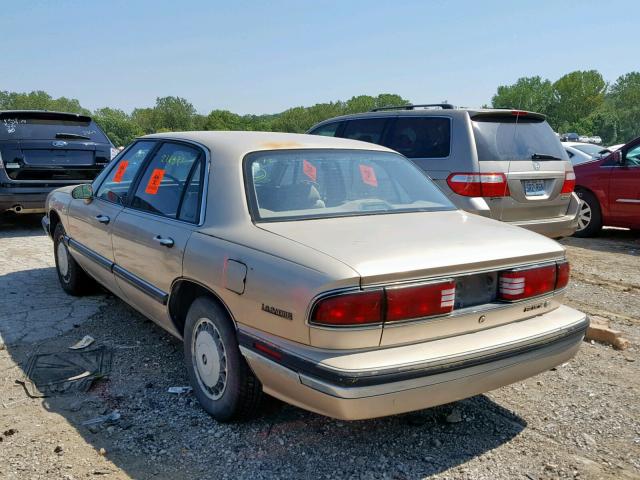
60	143
536	165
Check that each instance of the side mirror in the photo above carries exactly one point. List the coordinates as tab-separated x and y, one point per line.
618	159
83	192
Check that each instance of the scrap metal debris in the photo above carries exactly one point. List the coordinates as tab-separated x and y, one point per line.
179	390
84	343
110	417
64	372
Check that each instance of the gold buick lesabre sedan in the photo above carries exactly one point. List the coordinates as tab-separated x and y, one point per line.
330	273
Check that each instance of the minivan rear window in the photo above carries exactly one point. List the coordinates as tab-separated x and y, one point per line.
49	126
514	138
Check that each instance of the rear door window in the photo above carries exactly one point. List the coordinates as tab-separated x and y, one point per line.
514	138
328	130
366	130
49	126
421	137
166	180
117	182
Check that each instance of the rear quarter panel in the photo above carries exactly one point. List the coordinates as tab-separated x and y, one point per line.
273	280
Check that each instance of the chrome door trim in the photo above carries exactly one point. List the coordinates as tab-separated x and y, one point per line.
142	285
627	200
88	253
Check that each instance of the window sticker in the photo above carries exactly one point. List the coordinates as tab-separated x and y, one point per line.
122	167
309	170
154	181
368	175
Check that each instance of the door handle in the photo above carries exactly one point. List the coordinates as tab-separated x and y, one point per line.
103	219
165	242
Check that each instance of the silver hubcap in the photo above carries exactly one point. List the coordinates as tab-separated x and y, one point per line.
584	215
209	357
63	260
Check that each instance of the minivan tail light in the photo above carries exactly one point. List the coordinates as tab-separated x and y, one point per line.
405	303
360	308
525	283
479	184
569	182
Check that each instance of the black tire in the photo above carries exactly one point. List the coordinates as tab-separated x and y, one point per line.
73	280
228	390
589	215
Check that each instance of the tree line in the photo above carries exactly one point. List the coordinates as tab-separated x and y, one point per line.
581	101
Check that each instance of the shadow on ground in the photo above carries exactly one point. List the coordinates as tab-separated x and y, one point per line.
610	240
163	435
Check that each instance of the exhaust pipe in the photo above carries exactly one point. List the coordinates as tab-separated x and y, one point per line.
20	210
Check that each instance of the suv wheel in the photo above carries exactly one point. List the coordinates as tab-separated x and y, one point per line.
220	376
589	215
72	277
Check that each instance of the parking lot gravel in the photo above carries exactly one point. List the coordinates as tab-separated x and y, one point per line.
580	420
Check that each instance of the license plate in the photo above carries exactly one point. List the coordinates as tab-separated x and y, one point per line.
533	188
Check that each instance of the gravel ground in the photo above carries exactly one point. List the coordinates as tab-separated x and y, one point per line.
581	420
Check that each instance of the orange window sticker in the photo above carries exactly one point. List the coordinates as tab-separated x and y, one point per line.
309	170
122	167
154	181
368	175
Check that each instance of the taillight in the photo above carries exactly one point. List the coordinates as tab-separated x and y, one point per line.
359	308
569	182
562	276
404	303
531	282
479	184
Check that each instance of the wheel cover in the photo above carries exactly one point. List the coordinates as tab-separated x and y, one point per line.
584	215
209	358
63	260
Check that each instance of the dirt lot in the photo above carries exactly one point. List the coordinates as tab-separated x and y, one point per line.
581	420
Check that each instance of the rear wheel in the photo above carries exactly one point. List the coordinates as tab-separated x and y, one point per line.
72	277
221	378
589	215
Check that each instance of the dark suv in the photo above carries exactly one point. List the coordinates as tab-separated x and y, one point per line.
41	150
503	164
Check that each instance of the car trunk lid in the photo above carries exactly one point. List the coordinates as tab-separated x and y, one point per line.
393	248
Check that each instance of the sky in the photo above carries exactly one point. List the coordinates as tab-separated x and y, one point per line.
266	56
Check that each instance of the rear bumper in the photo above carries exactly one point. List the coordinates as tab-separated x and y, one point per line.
554	227
23	200
547	340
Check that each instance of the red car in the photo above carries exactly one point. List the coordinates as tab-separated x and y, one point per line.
609	191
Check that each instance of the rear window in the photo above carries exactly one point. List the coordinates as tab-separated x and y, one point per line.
49	126
595	151
304	184
514	138
421	137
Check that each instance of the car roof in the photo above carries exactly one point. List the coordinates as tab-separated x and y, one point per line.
437	112
236	144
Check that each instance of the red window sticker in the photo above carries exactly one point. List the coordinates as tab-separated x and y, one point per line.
309	170
154	181
368	175
122	167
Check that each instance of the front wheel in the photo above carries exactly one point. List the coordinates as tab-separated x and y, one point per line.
221	378
589	215
72	277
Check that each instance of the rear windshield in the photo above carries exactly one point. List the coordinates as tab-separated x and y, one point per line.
22	126
515	139
304	184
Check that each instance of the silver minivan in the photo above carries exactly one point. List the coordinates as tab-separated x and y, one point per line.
504	164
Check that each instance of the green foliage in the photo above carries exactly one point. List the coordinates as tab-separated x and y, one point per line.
580	102
119	126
